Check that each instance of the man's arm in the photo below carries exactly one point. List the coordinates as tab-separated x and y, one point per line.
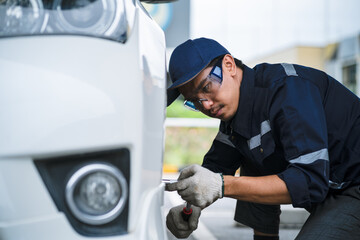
265	190
201	187
298	120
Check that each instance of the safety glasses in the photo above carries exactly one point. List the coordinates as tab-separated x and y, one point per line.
208	88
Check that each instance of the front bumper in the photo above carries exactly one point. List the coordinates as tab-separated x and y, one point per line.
54	224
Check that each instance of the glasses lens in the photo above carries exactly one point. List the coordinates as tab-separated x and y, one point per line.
212	85
190	105
216	71
216	74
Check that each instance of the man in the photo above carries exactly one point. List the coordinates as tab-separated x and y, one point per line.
293	131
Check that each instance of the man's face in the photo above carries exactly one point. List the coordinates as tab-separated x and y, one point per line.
215	99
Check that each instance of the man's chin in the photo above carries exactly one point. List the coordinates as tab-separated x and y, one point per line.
226	117
222	118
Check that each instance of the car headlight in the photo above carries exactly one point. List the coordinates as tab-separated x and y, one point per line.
96	193
100	18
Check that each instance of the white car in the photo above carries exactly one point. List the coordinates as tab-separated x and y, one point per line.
82	92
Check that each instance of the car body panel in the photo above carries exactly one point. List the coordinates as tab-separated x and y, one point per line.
67	94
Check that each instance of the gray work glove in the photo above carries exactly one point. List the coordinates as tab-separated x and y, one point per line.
198	186
176	223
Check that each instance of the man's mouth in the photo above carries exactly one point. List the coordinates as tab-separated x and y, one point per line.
216	113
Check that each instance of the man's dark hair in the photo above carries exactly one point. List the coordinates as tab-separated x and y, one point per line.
238	62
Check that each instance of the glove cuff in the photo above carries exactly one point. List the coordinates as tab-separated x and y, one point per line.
222	185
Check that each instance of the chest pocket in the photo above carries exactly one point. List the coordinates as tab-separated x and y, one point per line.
262	145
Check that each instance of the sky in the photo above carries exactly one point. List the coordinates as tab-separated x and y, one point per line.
250	29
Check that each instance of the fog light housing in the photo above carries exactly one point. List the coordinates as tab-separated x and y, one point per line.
96	193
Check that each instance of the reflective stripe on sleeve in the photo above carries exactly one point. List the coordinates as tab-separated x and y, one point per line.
222	137
312	157
256	140
335	185
289	69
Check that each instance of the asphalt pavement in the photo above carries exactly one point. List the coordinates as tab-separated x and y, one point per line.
216	221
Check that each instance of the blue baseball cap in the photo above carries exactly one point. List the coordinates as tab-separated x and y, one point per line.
188	60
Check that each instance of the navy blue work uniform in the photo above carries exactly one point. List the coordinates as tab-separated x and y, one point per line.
296	122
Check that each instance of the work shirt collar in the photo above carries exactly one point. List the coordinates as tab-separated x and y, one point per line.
241	122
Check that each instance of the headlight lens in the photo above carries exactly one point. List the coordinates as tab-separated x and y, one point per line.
101	18
96	193
20	16
85	15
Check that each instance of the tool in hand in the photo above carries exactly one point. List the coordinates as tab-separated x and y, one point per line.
168	181
187	210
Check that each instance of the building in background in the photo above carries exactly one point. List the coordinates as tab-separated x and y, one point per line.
343	62
303	55
251	29
174	19
340	60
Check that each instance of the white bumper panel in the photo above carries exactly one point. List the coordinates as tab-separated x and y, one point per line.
56	226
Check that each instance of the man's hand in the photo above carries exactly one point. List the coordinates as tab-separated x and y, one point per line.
198	186
178	226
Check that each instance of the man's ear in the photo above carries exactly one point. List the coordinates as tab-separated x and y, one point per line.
229	64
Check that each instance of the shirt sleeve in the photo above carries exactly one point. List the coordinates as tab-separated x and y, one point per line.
298	118
222	157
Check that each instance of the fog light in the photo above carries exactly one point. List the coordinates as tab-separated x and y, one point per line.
96	193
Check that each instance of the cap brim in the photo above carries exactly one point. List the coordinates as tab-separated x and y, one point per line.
172	94
189	76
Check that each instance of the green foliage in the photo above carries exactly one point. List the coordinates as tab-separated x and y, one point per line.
187	145
177	110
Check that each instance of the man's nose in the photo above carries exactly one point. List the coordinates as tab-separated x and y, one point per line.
207	104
